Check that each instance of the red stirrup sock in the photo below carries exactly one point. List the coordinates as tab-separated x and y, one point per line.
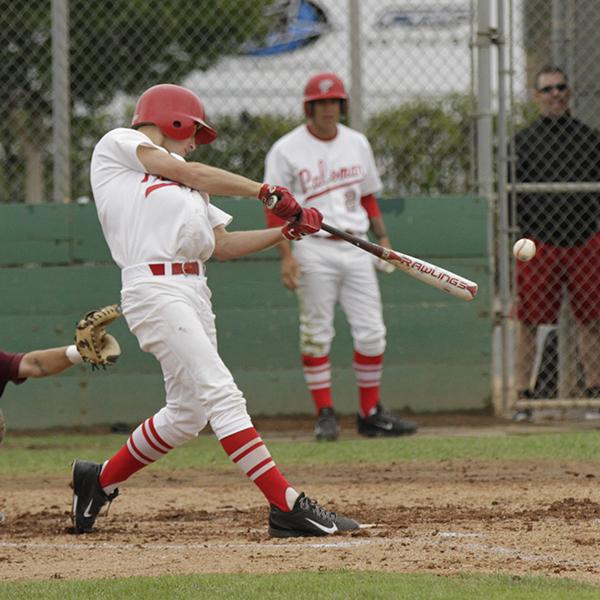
143	447
368	371
317	374
248	451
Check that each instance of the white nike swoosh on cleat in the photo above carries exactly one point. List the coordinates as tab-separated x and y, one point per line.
331	529
86	511
387	426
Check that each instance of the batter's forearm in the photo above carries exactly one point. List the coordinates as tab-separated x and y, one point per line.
235	244
219	182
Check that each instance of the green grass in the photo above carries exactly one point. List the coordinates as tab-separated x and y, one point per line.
307	586
45	454
26	455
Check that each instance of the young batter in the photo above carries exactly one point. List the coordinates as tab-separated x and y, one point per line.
331	167
161	229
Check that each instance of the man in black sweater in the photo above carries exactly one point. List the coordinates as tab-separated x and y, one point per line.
564	226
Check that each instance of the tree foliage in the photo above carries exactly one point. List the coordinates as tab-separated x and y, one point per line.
115	46
424	146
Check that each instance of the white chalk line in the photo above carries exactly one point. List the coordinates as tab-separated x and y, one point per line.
440	538
203	546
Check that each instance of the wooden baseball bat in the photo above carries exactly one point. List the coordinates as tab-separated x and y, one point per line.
449	282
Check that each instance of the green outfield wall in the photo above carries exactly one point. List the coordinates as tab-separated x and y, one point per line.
54	266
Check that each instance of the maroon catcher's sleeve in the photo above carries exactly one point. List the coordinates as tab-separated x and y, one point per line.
9	369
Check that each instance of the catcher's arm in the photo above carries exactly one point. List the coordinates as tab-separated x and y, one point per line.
42	363
95	346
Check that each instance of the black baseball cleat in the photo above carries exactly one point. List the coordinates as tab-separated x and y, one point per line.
326	426
88	496
307	519
384	423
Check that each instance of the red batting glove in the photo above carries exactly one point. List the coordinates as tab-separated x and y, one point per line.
308	222
279	201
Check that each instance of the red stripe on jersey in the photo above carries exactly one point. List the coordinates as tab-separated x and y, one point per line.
156	186
330	189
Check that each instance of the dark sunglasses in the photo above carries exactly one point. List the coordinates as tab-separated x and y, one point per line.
561	87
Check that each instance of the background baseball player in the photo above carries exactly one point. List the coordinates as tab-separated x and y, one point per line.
161	229
331	167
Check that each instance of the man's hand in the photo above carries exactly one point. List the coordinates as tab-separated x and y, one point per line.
290	272
383	265
308	222
279	201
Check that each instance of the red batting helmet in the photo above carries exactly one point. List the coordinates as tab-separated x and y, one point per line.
175	110
324	86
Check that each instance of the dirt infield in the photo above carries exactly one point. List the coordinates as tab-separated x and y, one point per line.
526	517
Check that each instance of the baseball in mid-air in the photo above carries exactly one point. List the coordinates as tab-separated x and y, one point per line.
524	249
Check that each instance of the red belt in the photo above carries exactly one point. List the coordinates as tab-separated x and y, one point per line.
187	268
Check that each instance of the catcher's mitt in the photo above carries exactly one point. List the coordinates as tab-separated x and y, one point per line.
95	346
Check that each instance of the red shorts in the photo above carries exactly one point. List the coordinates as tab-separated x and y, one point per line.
540	282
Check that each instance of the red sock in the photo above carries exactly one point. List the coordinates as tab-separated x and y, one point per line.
368	371
317	374
248	451
143	447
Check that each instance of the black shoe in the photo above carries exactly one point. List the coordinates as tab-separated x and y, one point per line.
88	496
382	422
326	427
524	415
306	519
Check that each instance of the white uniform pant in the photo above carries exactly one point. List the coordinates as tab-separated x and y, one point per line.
334	271
172	318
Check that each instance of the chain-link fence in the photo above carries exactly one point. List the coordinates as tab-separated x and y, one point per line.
550	305
72	69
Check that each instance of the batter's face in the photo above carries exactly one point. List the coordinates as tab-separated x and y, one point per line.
326	116
552	95
181	147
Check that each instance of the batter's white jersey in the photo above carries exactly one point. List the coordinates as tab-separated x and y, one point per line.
144	218
330	175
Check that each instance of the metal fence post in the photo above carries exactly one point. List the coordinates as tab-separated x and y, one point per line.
485	172
504	287
356	108
61	110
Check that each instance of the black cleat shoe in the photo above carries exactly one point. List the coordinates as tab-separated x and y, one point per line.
326	427
523	415
88	496
307	519
384	423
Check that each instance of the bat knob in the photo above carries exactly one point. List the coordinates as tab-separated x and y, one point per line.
271	201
